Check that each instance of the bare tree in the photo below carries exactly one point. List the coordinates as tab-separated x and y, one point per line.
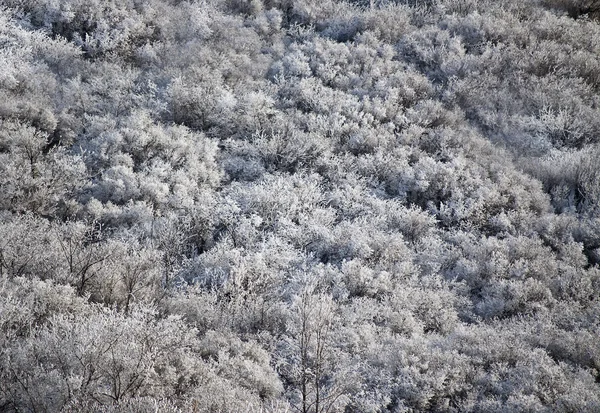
318	385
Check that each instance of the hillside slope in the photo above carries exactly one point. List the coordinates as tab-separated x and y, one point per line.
314	206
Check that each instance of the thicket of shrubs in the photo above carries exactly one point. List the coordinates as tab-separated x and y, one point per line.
315	206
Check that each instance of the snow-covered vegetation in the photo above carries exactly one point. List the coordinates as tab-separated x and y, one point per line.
299	206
